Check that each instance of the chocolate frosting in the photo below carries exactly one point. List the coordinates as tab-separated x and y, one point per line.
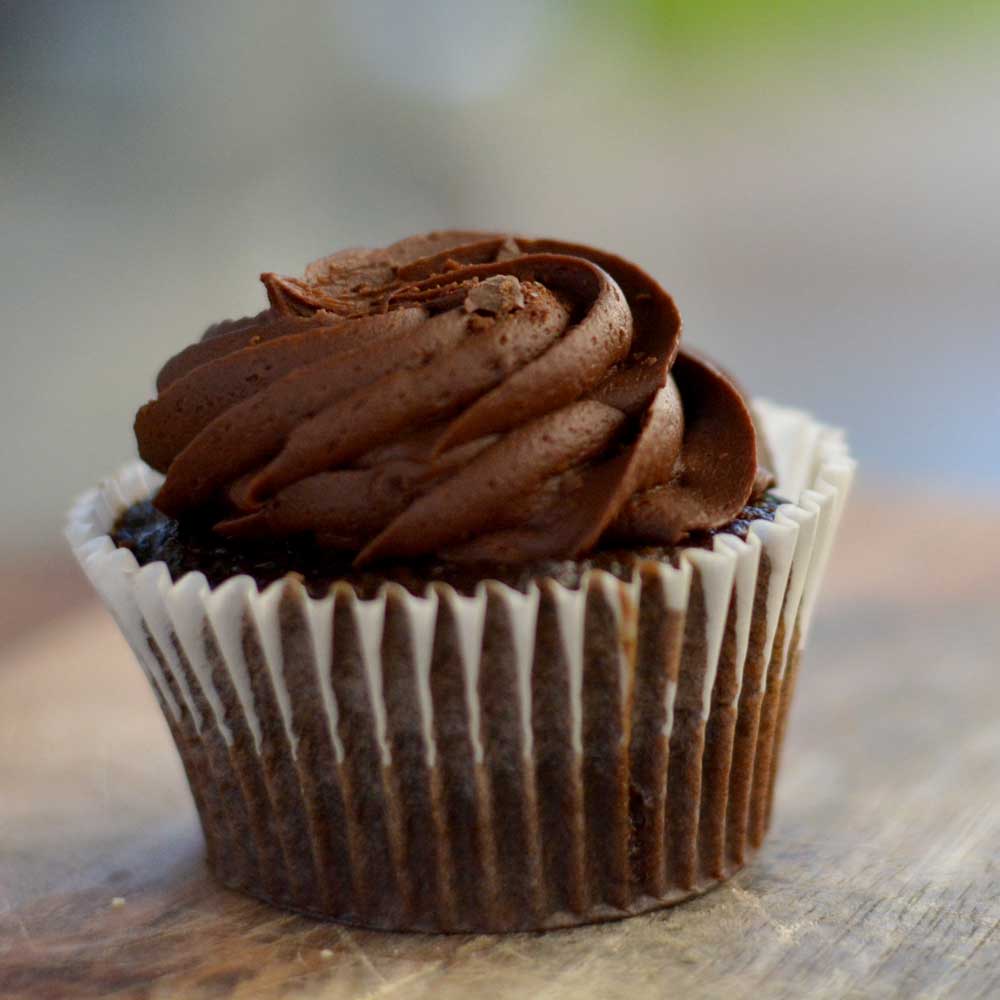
479	397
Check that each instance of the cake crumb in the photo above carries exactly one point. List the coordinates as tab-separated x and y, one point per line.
508	249
500	293
118	901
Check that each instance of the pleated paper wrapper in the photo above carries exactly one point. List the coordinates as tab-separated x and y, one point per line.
504	761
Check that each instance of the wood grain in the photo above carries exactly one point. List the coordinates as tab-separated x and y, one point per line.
879	879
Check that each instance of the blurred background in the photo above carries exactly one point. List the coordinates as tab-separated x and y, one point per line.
817	184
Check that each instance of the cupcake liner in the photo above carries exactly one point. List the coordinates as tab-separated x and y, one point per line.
501	761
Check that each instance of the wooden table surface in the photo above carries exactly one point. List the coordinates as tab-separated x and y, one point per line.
881	877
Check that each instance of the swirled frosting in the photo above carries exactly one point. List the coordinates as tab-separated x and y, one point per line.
476	397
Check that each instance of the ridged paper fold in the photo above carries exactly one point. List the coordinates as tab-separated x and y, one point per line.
491	762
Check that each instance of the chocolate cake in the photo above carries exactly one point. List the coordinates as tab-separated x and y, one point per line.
472	600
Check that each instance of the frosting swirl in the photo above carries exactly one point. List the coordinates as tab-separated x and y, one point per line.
477	397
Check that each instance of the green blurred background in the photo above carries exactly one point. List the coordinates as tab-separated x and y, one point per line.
817	184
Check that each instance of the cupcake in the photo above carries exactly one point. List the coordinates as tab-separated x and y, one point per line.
472	602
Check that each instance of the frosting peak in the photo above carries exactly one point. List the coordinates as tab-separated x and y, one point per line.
474	396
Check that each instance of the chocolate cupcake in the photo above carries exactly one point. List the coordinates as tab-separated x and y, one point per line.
471	601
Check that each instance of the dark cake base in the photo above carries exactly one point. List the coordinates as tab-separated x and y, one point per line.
378	770
193	546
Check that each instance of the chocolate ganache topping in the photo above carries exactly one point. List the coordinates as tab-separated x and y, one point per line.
478	397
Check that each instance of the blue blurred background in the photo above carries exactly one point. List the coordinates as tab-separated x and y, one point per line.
817	184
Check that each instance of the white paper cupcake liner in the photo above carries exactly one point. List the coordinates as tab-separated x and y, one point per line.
502	761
